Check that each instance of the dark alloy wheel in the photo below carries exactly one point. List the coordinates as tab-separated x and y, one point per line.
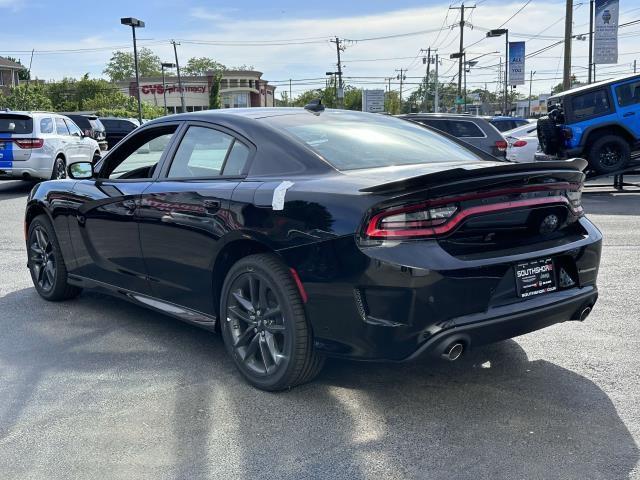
42	260
45	262
609	154
59	169
264	325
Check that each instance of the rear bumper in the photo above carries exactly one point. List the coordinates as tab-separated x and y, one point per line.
568	305
38	166
397	302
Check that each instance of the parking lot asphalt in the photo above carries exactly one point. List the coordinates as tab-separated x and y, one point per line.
98	388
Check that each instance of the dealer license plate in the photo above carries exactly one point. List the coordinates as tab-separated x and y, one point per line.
535	278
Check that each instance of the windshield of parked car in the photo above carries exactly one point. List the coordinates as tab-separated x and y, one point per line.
16	124
351	141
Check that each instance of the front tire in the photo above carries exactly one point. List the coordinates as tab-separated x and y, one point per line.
264	325
46	265
609	154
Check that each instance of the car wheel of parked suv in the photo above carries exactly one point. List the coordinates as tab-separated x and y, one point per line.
59	169
264	326
45	262
609	154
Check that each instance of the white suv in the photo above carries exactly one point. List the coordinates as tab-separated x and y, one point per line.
40	145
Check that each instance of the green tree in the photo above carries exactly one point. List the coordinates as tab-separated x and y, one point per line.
26	97
392	103
70	95
352	98
214	94
121	66
23	74
199	66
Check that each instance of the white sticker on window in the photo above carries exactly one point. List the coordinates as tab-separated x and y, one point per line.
278	195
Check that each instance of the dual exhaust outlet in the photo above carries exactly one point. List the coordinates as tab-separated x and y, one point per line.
453	352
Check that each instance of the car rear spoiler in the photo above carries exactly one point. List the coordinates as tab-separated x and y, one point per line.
457	174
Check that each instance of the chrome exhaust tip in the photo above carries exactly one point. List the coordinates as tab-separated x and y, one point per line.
585	313
453	352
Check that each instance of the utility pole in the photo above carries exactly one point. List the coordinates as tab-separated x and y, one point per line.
590	40
175	52
436	95
462	8
568	33
464	95
426	86
530	89
339	87
402	78
290	95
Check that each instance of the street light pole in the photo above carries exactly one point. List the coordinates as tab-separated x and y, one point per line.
530	89
135	23
498	33
164	65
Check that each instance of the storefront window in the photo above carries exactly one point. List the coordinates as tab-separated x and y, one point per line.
235	100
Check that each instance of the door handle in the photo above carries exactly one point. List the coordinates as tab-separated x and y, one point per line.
629	114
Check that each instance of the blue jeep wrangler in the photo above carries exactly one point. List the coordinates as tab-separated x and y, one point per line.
599	122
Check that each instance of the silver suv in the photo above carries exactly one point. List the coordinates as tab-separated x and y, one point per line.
40	145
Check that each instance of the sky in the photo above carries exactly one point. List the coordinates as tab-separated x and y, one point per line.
290	39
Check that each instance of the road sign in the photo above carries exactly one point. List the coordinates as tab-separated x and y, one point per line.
605	45
373	101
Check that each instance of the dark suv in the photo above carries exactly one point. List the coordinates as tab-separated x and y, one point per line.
476	131
117	128
600	122
92	127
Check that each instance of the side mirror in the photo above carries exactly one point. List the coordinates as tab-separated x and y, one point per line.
80	170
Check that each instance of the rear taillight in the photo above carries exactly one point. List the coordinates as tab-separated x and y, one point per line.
440	217
29	142
519	143
501	145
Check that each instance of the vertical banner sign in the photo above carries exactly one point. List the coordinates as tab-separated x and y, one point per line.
516	63
605	44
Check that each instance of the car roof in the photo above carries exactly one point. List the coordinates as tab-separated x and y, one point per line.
521	129
599	84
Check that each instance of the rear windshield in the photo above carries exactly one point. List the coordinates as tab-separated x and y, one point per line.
15	124
351	141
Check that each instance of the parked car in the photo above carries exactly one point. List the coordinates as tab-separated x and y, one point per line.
306	233
599	122
522	143
117	128
471	129
92	127
504	123
39	145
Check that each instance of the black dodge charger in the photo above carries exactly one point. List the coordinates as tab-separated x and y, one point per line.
305	233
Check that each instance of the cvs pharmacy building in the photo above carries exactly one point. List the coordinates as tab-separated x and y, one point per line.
238	89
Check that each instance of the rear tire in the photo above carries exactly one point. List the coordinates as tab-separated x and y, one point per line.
264	325
59	169
609	154
45	262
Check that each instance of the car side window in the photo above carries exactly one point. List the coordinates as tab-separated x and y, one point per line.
464	129
61	127
590	104
138	157
73	128
46	125
628	94
437	124
205	152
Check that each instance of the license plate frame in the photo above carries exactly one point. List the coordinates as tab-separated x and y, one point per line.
535	277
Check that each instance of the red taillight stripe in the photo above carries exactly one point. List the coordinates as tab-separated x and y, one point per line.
28	142
460	216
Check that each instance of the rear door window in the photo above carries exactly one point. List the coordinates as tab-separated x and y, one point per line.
61	127
46	125
16	124
441	125
465	129
590	104
628	94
